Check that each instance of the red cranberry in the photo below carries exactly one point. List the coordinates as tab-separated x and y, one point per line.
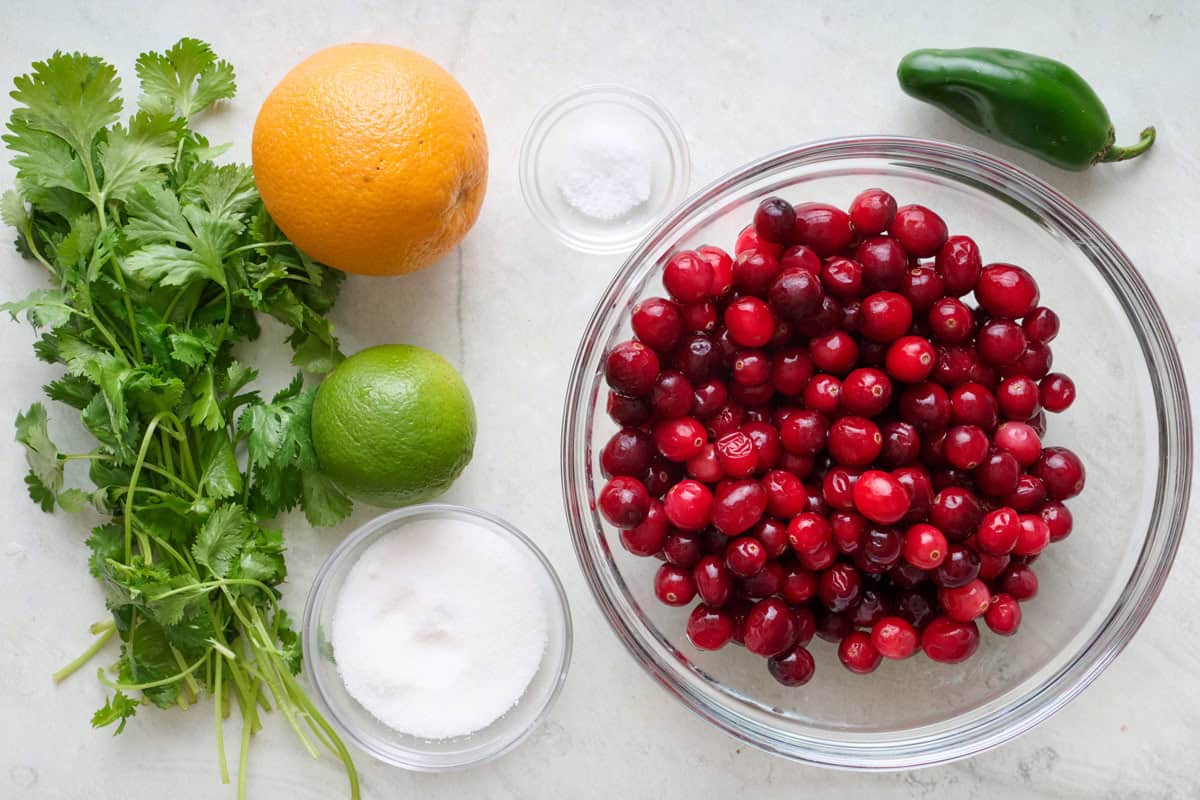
751	368
905	576
750	321
687	277
883	261
1019	580
791	370
857	653
894	637
745	556
628	452
926	406
990	566
823	394
714	581
689	505
799	585
722	269
836	352
628	411
956	511
737	454
770	628
839	587
794	667
699	317
959	263
880	497
631	368
879	549
673	585
924	546
1003	615
998	532
842	278
801	257
901	444
866	392
1038	422
767	448
1018	397
671	396
1057	392
808	532
951	322
1006	290
772	533
754	271
657	323
824	228
1029	494
885	316
1034	536
915	607
774	220
919	488
738	505
997	476
872	211
832	626
647	537
854	441
919	230
748	240
966	446
949	642
697	358
1058	518
683	549
1040	325
826	319
708	397
624	501
1000	342
785	494
960	567
973	404
679	439
804	433
764	583
709	628
1034	362
848	529
795	294
1019	439
662	475
1061	471
922	287
965	603
820	559
910	359
874	605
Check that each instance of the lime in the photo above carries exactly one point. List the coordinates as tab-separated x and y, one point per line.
394	425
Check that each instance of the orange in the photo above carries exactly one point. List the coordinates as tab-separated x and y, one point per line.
371	158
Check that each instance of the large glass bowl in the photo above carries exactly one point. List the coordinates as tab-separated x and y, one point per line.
1130	424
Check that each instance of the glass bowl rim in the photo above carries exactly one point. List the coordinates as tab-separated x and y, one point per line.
654	112
1162	537
351	547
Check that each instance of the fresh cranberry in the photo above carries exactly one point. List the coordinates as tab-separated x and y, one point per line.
924	546
647	537
960	567
839	587
886	316
804	433
722	269
949	642
671	396
1034	536
725	420
713	580
1058	518
1057	392
799	585
1038	422
764	583
816	495
687	277
657	323
866	392
910	359
1029	495
901	444
750	321
628	452
933	455
771	628
785	493
824	228
959	263
966	446
1034	362
689	505
748	240
683	548
820	559
1040	325
796	294
793	667
826	318
872	211
709	628
1018	397
772	533
737	506
857	653
950	321
751	368
894	637
631	368
919	488
836	352
823	394
973	404
874	604
679	439
774	220
883	261
662	475
628	411
848	529
990	566
697	358
1019	580
754	271
998	475
700	317
1003	615
998	532
926	406
879	549
854	441
765	439
624	501
919	230
745	556
915	607
791	370
1000	342
965	603
922	287
708	397
673	585
755	398
880	497
1061	471
842	278
1006	290
808	532
799	256
956	511
832	626
1019	439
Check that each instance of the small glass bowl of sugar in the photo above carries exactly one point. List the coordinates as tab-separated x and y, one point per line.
437	637
601	165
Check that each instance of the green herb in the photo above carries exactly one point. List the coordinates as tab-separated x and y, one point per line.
160	261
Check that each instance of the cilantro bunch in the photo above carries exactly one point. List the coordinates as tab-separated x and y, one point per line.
160	262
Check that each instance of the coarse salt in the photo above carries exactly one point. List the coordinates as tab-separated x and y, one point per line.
606	173
439	628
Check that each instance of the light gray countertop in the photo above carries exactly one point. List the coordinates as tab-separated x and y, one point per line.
508	307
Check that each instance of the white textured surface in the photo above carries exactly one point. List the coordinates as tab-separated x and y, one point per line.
743	80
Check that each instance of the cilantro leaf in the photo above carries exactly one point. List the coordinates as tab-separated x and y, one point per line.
132	155
185	80
219	473
70	95
40	452
324	503
221	538
12	209
205	410
118	708
73	500
43	308
191	349
73	390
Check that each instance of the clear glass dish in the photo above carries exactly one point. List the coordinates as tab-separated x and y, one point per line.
1130	424
432	755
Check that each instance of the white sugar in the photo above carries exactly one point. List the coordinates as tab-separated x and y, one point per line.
606	173
439	628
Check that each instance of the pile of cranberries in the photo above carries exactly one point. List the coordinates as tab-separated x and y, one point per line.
820	437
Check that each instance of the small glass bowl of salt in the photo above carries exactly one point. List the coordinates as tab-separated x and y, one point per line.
601	165
437	637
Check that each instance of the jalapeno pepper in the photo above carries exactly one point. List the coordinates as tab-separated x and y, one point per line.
1027	101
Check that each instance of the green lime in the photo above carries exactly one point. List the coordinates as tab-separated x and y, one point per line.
394	425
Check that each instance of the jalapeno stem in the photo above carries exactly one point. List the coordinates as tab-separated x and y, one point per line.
1113	153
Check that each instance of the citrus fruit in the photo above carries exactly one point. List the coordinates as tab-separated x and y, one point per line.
371	158
393	425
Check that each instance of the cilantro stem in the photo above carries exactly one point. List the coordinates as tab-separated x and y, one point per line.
178	676
247	729
188	681
86	655
218	707
119	272
133	479
258	246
